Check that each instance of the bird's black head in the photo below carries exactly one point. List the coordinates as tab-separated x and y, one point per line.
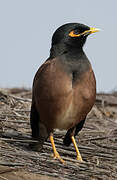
62	34
69	36
72	34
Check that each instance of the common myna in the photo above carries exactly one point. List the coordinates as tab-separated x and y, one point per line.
64	88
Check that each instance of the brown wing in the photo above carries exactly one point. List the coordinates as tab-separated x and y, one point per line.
52	93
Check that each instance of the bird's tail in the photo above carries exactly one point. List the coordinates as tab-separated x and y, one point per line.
39	132
67	139
73	131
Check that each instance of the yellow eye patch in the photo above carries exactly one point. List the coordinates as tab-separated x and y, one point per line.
87	32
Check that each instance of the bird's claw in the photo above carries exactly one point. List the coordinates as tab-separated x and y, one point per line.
79	158
57	156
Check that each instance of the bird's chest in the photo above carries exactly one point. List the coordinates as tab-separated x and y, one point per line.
66	97
79	101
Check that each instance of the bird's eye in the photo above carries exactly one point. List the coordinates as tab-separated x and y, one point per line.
76	31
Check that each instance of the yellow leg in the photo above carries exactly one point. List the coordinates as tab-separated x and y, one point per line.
76	148
56	154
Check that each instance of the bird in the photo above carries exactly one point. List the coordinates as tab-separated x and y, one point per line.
64	88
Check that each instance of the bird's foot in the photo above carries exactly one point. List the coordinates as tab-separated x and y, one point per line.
57	156
79	158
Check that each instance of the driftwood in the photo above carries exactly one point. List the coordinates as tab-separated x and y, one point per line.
97	141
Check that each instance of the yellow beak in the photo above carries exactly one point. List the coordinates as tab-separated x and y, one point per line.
93	30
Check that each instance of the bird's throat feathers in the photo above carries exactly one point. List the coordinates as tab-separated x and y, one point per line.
61	49
74	61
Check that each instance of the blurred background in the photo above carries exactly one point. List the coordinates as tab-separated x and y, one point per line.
26	28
